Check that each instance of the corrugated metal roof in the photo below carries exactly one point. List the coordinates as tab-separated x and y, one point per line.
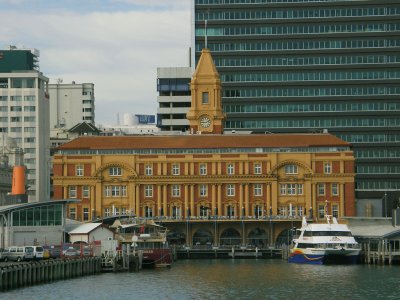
85	228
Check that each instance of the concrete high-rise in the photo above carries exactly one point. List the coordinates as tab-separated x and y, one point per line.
307	65
71	104
24	116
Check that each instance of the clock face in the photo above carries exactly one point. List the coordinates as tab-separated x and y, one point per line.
205	122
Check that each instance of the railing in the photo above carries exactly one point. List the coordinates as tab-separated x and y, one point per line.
210	218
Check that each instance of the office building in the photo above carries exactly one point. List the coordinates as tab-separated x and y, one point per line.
71	104
24	116
305	66
173	87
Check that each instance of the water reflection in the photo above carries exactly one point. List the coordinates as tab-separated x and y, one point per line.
228	279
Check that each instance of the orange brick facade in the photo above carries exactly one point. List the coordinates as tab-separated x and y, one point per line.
238	184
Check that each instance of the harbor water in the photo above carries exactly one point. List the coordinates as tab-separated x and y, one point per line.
228	279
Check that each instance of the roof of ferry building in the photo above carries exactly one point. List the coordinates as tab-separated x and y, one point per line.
198	141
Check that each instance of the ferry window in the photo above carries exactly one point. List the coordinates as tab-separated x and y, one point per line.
335	211
291	169
79	170
327	168
175	169
149	170
72	213
115	171
321	211
257	168
321	189
335	189
72	191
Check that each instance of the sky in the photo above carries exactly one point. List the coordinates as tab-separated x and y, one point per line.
115	44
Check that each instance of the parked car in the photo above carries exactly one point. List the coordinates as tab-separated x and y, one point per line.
71	252
37	252
18	253
86	251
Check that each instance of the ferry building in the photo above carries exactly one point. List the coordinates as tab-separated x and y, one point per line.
207	174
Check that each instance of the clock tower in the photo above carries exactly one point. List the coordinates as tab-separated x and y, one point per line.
205	114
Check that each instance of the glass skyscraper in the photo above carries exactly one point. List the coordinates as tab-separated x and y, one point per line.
310	65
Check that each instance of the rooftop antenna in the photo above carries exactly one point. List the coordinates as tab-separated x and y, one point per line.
205	36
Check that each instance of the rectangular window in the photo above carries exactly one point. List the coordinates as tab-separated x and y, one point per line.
85	214
107	212
149	170
175	169
283	189
257	189
230	169
148	211
72	191
148	191
79	170
321	189
203	190
115	171
176	190
291	189
321	211
335	189
291	169
230	190
124	190
72	213
203	169
204	98
86	191
107	191
257	168
115	191
327	168
300	189
335	210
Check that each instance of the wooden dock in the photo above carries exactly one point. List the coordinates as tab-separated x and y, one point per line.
227	252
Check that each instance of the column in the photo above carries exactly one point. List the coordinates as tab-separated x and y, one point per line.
164	199
341	197
137	201
213	196
93	203
241	206
246	199
314	200
219	197
192	211
274	197
159	207
268	198
186	208
98	196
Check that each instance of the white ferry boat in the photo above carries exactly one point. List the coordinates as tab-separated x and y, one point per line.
324	243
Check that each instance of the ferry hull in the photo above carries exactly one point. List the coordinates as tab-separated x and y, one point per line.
319	259
157	257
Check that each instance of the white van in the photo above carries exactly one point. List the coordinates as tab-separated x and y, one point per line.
18	253
37	252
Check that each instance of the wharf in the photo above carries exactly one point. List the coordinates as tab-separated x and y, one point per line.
227	252
16	275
